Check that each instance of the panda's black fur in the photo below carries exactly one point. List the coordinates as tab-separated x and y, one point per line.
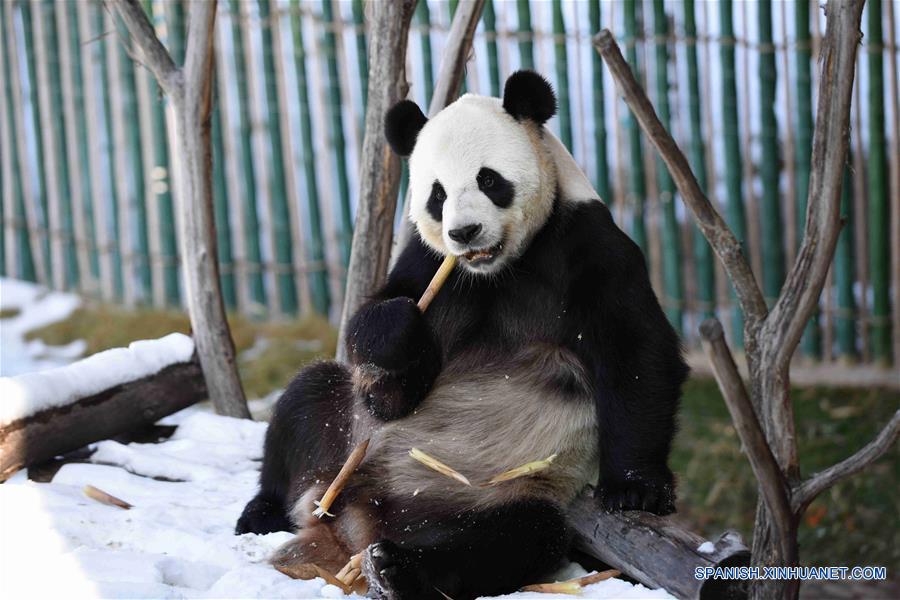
580	287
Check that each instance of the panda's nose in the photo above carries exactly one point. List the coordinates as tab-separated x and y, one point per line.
465	234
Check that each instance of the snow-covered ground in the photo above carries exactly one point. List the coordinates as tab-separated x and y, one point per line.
187	492
36	308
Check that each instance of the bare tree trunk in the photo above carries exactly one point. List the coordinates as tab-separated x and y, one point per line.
379	167
191	91
764	419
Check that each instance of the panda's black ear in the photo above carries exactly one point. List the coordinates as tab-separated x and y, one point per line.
402	125
527	95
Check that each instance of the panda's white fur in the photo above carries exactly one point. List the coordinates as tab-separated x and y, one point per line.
478	132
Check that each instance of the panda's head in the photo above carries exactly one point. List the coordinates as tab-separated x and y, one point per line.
481	177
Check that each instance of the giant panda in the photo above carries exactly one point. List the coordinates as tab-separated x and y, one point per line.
546	339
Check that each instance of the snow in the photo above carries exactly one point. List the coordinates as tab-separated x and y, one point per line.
178	540
706	548
36	308
26	394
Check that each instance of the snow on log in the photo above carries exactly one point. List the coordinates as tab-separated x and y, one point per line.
657	552
51	412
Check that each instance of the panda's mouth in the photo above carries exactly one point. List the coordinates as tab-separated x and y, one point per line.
483	256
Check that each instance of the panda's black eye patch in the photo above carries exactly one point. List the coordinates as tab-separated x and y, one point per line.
435	204
499	189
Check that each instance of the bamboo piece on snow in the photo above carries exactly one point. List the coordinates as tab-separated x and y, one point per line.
105	497
572	586
359	453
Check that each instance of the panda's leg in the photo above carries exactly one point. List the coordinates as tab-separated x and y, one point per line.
308	436
469	555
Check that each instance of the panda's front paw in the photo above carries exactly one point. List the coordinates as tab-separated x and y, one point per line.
393	573
389	334
650	492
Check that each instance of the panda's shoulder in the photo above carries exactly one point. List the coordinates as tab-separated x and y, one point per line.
588	234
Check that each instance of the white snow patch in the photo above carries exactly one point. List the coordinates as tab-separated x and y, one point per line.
37	307
706	548
29	393
178	541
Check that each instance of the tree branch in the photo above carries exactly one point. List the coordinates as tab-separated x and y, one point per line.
710	221
771	480
156	57
803	286
807	491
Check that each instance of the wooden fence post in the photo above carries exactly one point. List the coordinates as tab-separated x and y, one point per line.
423	23
601	161
490	34
191	91
637	188
526	35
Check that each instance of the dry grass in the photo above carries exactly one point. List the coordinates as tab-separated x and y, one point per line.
269	353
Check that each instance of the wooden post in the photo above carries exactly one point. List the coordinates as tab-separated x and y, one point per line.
894	85
843	270
191	91
380	167
362	55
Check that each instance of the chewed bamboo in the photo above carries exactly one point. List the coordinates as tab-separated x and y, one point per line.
440	277
353	461
524	470
105	498
436	465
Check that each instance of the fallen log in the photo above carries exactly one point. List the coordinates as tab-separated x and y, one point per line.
59	429
657	552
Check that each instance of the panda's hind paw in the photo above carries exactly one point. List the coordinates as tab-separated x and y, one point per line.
392	573
654	494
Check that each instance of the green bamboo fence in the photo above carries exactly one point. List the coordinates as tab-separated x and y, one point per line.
734	212
811	343
702	253
252	251
674	293
562	75
770	205
489	18
336	130
102	197
280	217
879	216
316	250
637	186
526	34
601	163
